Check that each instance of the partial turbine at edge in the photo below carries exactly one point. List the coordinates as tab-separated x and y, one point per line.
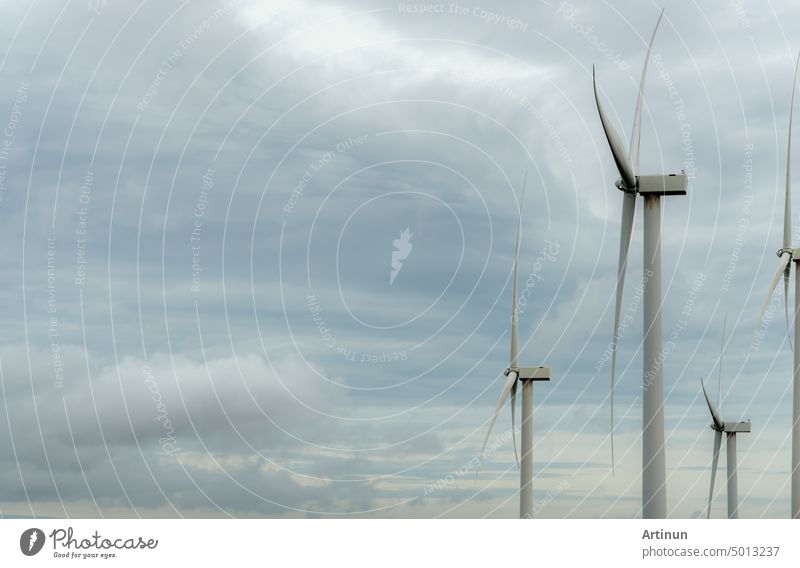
787	203
719	426
783	263
787	252
721	353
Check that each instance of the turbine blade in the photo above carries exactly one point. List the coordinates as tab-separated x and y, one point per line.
782	265
512	378
787	204
626	229
514	358
714	414
721	353
624	166
514	420
636	135
786	275
714	462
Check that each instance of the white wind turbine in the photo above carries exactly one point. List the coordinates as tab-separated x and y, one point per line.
730	429
526	375
651	188
788	254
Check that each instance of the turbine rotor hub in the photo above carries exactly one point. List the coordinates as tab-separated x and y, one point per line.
783	250
620	183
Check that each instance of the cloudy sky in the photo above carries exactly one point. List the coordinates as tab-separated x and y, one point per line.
257	256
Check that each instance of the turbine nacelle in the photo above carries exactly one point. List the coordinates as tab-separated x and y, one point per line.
733	427
669	184
530	373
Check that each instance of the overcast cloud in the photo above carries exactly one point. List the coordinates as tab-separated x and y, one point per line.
258	255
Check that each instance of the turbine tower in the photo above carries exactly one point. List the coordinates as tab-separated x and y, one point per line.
651	188
789	254
730	429
525	375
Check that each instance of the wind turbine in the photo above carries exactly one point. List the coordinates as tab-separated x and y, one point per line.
730	429
789	254
525	375
651	188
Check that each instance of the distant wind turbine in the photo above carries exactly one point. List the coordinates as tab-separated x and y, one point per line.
526	375
651	187
730	429
788	254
